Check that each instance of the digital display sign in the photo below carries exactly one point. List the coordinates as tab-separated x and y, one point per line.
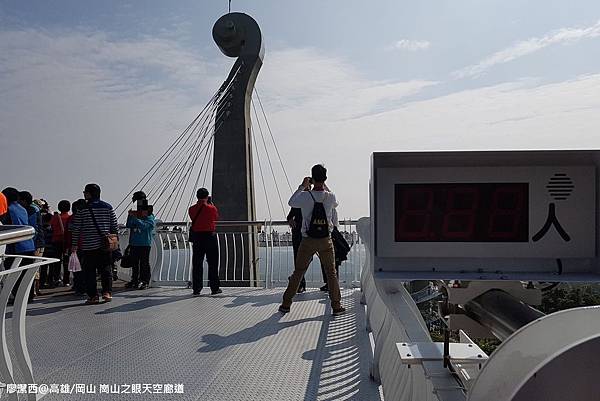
461	212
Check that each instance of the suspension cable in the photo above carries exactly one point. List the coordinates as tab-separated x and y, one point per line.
188	174
174	173
205	126
273	138
180	174
262	178
181	147
166	154
174	166
268	158
207	154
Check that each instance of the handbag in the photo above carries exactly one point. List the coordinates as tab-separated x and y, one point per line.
194	236
110	242
340	245
126	260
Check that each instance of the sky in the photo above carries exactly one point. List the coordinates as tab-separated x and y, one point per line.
96	91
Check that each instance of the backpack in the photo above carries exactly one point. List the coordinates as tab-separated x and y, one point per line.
318	226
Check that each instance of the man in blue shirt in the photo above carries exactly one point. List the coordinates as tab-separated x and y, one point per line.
17	215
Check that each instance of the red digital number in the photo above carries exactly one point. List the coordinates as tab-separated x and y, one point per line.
461	208
506	213
415	223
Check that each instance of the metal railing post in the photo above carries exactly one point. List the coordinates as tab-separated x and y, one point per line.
9	278
269	267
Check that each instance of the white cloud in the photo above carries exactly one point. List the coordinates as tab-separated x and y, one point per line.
82	106
326	87
564	115
410	45
529	46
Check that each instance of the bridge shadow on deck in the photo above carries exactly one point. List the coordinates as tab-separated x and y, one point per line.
233	346
271	299
259	331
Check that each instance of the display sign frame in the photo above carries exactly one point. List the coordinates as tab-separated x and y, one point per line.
563	215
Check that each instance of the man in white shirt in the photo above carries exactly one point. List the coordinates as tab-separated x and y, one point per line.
316	236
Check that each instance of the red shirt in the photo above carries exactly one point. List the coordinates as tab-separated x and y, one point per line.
207	219
3	204
58	231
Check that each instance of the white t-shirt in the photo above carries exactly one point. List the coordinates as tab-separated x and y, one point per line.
302	199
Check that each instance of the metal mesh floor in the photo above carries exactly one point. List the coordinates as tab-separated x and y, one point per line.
233	346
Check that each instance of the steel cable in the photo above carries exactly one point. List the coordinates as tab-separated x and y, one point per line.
188	133
167	153
268	159
261	176
273	139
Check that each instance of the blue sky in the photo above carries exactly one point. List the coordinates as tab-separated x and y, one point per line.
86	85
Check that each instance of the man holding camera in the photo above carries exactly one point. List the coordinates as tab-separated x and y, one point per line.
317	207
141	226
204	217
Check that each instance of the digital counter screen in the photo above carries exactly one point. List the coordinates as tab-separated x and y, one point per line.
480	212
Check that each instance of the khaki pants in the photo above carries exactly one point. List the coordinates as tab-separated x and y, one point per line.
308	247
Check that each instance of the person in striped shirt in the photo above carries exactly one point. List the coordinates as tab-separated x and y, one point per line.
88	228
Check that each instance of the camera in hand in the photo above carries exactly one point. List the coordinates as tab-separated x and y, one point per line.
143	207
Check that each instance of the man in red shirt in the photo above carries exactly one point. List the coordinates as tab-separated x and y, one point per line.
204	217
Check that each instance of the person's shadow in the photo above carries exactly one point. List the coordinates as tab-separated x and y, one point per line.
144	303
265	328
269	299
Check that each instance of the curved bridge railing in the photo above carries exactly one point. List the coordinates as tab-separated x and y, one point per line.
13	269
171	255
393	318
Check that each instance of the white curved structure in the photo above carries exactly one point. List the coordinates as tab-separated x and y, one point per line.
393	318
19	358
554	358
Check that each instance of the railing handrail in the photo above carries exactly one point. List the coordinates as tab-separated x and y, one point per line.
40	262
272	259
12	234
227	223
10	276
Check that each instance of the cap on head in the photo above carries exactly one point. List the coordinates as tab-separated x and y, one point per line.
202	193
42	204
319	173
93	190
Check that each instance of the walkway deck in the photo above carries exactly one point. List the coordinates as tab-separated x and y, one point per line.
234	346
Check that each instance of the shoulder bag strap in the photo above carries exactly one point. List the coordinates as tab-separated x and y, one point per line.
95	223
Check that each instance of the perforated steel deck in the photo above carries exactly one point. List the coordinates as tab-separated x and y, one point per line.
233	346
